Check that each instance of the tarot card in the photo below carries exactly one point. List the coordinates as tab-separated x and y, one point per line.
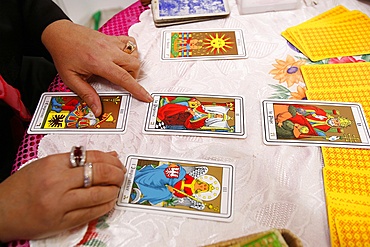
180	45
67	113
169	12
318	123
195	189
196	115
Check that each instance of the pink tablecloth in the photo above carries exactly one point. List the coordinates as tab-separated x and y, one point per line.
117	25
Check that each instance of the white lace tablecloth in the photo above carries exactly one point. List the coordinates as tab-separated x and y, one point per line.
275	187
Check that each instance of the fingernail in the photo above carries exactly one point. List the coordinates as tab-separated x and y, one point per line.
148	97
95	110
113	153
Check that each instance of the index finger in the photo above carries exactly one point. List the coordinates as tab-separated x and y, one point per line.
121	77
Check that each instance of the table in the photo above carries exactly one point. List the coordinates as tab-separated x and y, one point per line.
276	186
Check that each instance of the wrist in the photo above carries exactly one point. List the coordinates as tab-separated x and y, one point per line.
54	31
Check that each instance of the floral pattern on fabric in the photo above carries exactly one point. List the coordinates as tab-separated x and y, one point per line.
93	236
290	81
288	70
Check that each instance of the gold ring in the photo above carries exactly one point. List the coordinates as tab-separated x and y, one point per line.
130	47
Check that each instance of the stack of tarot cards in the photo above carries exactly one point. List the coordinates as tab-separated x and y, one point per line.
172	12
349	29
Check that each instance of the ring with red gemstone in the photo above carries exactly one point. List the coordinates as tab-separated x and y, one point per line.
77	156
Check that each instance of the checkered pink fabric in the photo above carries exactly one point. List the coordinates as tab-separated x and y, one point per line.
117	25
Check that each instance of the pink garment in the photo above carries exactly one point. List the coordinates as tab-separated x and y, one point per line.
12	97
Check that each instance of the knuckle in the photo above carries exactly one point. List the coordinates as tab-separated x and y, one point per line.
104	172
132	39
96	196
125	76
120	178
135	63
85	96
93	155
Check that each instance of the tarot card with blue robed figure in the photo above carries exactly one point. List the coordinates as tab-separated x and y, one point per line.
170	12
69	114
314	123
196	115
202	44
185	188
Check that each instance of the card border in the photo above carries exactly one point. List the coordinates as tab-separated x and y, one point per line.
268	141
228	217
243	132
31	129
239	35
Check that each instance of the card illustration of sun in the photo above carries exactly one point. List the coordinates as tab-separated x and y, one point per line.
198	44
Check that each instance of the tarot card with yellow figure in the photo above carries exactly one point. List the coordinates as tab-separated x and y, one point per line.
66	113
184	188
180	45
314	123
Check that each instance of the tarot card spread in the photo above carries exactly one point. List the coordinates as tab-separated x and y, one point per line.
202	45
178	187
198	115
316	123
67	113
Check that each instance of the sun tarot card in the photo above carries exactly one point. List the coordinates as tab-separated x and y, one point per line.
202	45
318	123
169	12
67	113
196	115
195	189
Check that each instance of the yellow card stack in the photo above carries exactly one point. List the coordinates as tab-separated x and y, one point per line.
335	33
347	170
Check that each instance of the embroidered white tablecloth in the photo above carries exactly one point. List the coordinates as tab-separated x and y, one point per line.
275	187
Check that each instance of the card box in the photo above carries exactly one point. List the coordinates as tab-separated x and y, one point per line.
259	6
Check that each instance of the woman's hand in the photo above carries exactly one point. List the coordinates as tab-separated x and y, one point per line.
80	52
48	195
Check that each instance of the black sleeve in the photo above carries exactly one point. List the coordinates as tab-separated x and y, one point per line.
21	25
37	15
